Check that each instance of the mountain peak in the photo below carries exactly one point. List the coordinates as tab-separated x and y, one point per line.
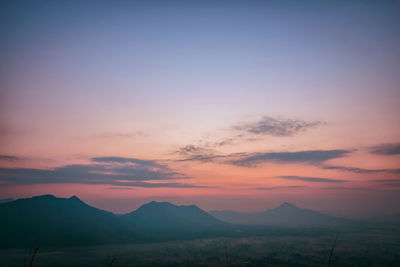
163	215
286	205
165	206
48	196
157	204
75	198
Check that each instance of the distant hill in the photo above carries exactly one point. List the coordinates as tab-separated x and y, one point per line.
164	220
286	214
50	221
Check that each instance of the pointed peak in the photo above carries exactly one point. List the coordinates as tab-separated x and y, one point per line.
74	198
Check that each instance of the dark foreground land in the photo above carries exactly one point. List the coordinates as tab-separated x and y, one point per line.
68	232
368	246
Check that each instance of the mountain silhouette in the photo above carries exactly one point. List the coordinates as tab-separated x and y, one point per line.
164	214
52	221
164	220
286	214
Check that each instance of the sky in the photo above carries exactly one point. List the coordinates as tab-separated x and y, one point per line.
236	105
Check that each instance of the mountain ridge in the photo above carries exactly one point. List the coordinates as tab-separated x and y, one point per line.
49	219
57	221
286	214
70	221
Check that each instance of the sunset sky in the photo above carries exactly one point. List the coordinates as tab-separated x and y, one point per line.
224	104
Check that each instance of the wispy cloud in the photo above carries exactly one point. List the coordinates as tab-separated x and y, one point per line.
163	185
196	153
277	127
205	150
279	187
193	153
360	170
125	135
308	157
389	182
121	188
128	160
312	179
245	132
115	171
386	149
394	184
9	158
349	188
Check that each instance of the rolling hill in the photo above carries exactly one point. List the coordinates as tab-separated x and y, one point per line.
286	214
165	221
52	221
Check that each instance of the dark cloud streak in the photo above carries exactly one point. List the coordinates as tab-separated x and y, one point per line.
279	187
389	182
312	179
277	127
114	171
386	149
309	157
196	153
360	170
127	160
9	158
315	157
